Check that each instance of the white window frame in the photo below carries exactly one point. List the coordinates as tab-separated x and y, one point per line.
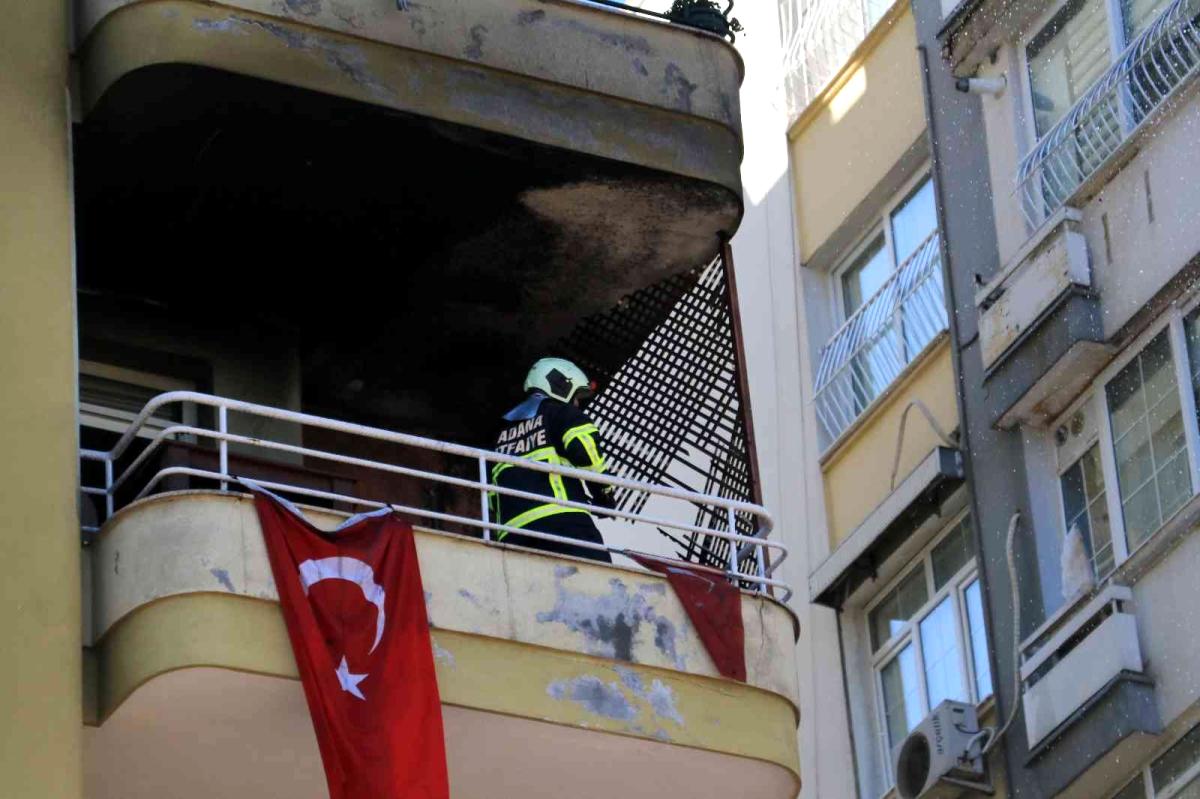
1116	44
115	420
1061	469
889	649
1097	399
882	222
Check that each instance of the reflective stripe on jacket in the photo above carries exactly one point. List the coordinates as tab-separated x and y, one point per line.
545	430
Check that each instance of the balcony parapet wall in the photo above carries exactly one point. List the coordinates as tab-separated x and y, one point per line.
608	648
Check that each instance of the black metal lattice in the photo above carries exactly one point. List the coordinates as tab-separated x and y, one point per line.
672	412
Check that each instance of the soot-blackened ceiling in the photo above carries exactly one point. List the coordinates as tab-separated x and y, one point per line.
423	264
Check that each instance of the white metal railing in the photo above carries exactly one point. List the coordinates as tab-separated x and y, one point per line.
818	37
128	481
884	335
1154	66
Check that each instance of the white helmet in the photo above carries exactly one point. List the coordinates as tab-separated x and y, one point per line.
560	379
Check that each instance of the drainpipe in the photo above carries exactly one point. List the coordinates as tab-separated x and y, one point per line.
956	350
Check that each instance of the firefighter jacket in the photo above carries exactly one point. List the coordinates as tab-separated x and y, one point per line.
546	430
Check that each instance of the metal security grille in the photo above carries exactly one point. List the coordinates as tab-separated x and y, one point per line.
672	412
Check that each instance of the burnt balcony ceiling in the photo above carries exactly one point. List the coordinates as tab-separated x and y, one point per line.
423	264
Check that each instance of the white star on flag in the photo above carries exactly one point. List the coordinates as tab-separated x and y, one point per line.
350	681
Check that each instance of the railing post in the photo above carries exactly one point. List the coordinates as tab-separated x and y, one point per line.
483	497
223	445
108	488
733	547
760	562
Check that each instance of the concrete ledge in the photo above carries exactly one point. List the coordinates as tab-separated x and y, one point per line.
1119	726
846	567
666	128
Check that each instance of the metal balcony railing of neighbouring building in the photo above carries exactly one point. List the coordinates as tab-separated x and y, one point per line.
818	38
131	470
887	332
1154	67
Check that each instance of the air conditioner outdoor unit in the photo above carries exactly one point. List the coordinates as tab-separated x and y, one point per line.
941	758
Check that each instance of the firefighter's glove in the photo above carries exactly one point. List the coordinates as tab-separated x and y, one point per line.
605	497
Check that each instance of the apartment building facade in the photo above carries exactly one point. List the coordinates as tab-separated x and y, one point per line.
893	576
1063	149
334	234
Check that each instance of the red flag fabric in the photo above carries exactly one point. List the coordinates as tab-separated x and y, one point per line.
355	613
715	607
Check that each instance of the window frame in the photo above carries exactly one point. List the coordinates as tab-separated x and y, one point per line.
956	586
115	420
1096	398
881	223
1095	440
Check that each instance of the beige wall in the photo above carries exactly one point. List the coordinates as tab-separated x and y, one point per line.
774	330
40	703
848	140
1008	138
858	471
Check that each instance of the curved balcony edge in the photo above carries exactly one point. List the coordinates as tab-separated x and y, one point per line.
634	127
197	558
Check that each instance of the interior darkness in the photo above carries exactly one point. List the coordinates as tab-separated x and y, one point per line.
405	253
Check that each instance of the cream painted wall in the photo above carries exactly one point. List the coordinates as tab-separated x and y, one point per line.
773	327
848	141
40	670
1006	127
858	473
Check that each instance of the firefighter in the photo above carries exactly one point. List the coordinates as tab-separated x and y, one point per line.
550	426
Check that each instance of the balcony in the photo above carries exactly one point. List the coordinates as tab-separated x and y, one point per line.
584	77
553	670
875	346
494	171
1089	703
1100	128
819	38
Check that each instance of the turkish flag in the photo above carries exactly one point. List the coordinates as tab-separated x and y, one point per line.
714	606
355	613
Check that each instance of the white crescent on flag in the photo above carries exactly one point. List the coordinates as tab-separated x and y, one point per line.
352	570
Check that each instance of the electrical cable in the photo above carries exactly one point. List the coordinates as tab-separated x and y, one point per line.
937	429
1010	551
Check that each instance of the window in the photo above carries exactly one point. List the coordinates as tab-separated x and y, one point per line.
1126	456
899	324
110	397
908	224
1065	58
1148	441
927	636
1085	506
1174	775
1076	47
1083	44
865	275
